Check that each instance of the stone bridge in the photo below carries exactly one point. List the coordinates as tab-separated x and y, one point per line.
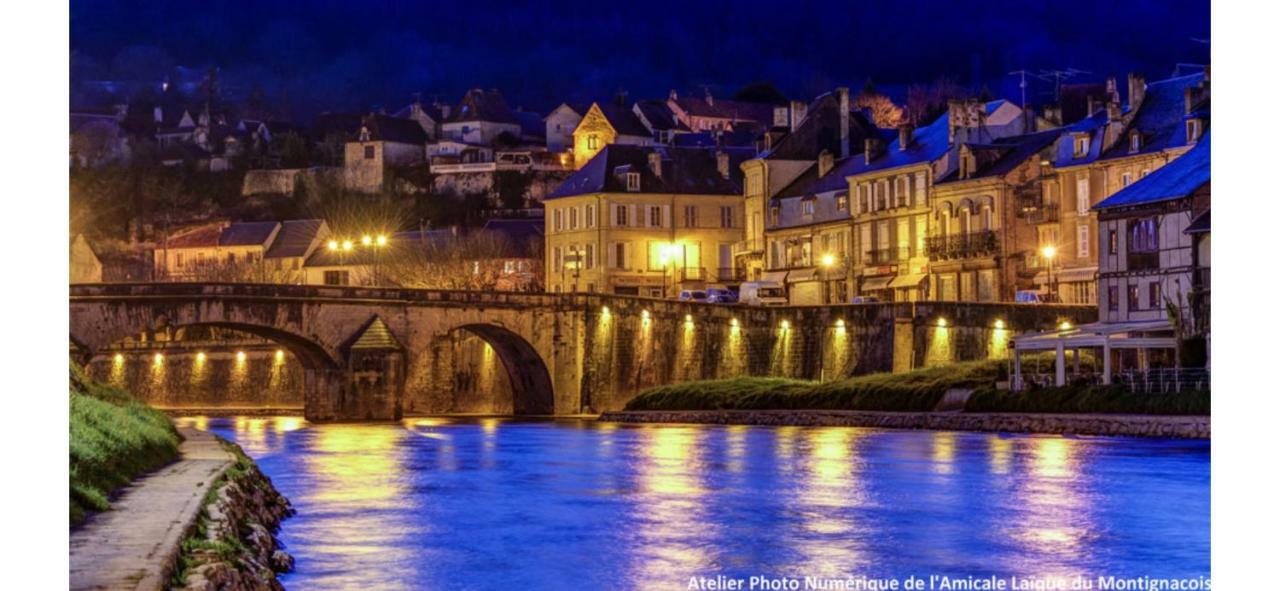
378	353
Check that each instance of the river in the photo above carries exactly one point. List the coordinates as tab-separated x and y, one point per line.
502	504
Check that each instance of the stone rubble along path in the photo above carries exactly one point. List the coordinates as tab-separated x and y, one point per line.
135	544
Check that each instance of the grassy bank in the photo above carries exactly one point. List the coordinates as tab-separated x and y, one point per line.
914	391
113	438
918	390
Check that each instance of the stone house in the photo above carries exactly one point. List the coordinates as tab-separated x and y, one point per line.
658	118
382	142
480	118
708	113
646	220
1101	155
210	251
607	124
560	123
296	241
430	117
980	233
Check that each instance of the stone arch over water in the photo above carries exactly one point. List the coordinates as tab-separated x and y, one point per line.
531	387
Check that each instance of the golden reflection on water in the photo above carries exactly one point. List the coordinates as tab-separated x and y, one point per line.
356	463
944	452
830	484
736	447
1054	524
1001	453
670	508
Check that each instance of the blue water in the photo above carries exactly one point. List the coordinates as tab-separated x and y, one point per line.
493	504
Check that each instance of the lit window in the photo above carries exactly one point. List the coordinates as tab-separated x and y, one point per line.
1135	142
633	181
593	142
1081	146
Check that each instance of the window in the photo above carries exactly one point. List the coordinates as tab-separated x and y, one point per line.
1081	148
1082	240
591	216
774	214
691	216
370	153
557	217
806	207
593	142
633	181
620	255
726	216
1133	297
753	184
1113	298
590	256
621	215
1143	236
1126	179
1153	294
842	202
900	191
655	216
557	260
337	278
1193	130
231	258
178	259
1135	142
1082	194
1113	242
573	218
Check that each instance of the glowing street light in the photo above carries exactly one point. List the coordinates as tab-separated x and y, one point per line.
366	240
240	356
828	260
1049	251
381	240
333	245
347	245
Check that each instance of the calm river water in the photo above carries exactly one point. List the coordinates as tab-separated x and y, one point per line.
495	504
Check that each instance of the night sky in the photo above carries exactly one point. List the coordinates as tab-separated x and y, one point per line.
324	55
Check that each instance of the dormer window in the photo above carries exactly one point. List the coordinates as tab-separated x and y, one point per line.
633	181
1081	146
1135	142
774	213
842	202
1193	130
806	207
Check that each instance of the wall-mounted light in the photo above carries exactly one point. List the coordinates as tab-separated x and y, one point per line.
200	357
1065	325
785	325
733	323
999	325
240	356
159	358
942	323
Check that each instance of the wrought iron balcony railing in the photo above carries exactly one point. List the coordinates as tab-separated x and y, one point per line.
963	246
882	256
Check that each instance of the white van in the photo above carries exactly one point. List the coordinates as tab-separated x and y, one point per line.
762	293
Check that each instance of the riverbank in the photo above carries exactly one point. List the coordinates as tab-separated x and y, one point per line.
1169	426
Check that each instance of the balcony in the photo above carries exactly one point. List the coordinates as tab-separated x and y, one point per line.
884	256
731	275
752	246
963	246
693	274
1143	261
1044	213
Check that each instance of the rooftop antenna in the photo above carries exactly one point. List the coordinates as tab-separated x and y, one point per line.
1022	84
1057	76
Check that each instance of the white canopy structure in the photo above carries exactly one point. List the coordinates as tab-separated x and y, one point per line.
1151	334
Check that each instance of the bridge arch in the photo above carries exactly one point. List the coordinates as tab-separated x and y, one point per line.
531	387
310	354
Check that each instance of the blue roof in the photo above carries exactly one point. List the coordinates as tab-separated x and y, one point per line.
928	144
1160	117
1174	180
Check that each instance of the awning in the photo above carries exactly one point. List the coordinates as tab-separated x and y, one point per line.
906	281
799	275
1068	275
774	276
1117	335
876	283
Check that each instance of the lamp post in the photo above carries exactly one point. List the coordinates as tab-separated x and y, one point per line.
827	261
1049	251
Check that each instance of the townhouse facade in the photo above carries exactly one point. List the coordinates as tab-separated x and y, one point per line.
646	220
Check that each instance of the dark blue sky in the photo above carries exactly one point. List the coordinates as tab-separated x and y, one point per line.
323	54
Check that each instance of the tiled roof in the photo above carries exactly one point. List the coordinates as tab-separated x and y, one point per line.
820	130
659	116
1005	154
394	129
1200	224
791	213
482	105
687	171
375	336
727	109
1174	180
295	238
927	144
623	120
247	233
205	236
1160	117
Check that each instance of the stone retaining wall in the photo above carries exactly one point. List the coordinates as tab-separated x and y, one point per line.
1183	427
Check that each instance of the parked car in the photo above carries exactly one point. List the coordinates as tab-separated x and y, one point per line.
864	300
693	295
762	293
1032	296
722	295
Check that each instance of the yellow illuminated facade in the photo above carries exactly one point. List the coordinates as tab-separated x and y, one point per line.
640	244
595	132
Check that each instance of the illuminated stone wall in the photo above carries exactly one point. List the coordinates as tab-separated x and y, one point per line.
214	379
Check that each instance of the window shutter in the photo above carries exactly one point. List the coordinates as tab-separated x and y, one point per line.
631	217
610	256
666	216
626	254
1082	195
1082	240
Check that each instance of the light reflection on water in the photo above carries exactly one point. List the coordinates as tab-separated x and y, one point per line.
494	503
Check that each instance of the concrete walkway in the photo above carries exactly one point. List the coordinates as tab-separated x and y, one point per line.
135	543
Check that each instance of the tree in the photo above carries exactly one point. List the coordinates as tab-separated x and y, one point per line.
511	187
926	102
292	149
884	113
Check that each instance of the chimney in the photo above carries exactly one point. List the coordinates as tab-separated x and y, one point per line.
1113	112
843	94
825	163
1111	89
1053	114
906	134
722	163
870	149
798	109
672	96
1137	90
1092	106
1188	100
655	163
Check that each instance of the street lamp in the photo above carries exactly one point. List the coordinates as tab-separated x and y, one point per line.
1049	251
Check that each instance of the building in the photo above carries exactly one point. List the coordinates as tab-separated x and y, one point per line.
296	241
481	117
560	123
382	142
518	260
217	251
1103	154
607	124
646	220
85	267
430	117
982	231
889	187
708	113
658	117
